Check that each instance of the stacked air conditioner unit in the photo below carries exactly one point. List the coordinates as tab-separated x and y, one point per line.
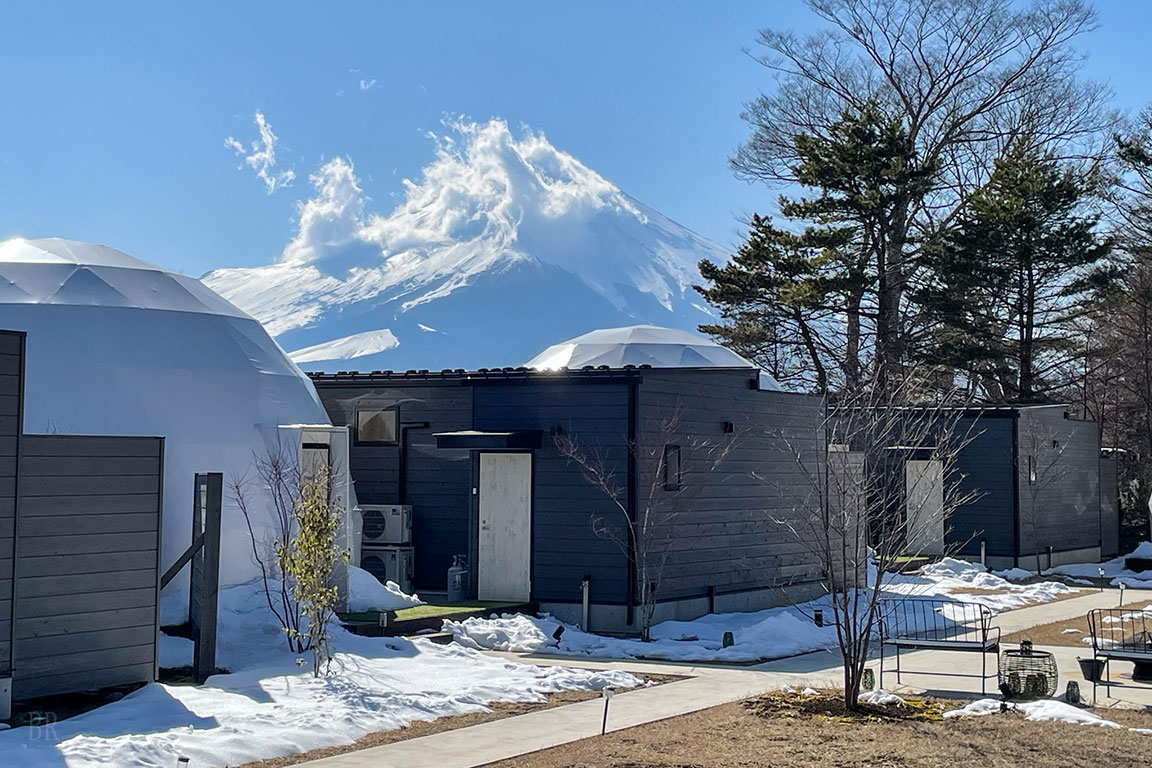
386	551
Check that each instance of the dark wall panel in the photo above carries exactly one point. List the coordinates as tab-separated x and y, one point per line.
719	530
11	426
1060	498
87	567
1109	509
438	481
566	548
984	470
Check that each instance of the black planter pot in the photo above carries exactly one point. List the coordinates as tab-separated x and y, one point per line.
1092	669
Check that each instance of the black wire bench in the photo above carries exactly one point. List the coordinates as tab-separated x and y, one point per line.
916	623
1121	634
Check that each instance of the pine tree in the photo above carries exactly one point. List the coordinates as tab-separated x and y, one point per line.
1011	280
838	284
774	295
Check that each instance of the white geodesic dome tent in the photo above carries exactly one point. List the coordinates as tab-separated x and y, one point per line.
118	346
642	345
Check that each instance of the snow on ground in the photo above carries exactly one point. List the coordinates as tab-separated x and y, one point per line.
768	634
1044	710
949	578
269	706
880	698
366	593
1113	569
772	633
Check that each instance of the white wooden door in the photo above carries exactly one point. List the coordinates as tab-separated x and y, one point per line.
504	571
924	500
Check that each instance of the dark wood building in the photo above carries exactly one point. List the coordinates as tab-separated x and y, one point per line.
1042	486
1037	488
484	460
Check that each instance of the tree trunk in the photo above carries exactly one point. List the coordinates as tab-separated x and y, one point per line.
852	341
1027	339
890	266
813	352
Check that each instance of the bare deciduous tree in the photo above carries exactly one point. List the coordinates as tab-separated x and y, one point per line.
293	534
860	520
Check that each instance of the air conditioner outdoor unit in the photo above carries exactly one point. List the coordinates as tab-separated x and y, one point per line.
387	523
389	563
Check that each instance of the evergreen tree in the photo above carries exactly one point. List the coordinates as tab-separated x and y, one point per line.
1013	278
831	294
774	294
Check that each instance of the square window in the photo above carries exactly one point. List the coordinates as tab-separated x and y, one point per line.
377	427
671	467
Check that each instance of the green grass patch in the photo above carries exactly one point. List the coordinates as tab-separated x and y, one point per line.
464	606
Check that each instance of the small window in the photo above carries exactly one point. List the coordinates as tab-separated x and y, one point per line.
376	427
671	467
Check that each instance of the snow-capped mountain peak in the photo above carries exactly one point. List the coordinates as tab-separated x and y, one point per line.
504	245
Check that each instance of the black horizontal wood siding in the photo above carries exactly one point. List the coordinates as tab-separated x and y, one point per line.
439	481
1109	508
722	529
983	475
593	413
11	426
87	570
1061	509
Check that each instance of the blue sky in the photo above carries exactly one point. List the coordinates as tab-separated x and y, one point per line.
115	114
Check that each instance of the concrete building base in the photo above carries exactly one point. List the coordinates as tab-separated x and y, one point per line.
1029	560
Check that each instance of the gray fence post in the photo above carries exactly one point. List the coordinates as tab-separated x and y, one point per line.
204	585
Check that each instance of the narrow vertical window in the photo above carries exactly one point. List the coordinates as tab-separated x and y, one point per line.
671	467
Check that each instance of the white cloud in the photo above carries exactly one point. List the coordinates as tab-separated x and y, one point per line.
260	156
366	85
332	218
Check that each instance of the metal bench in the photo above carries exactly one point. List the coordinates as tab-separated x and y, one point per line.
1121	634
915	623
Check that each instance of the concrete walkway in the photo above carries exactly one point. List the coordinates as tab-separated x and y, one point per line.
706	686
513	736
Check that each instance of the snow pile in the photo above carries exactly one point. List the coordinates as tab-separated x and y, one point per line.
268	707
880	698
1015	574
247	629
366	593
501	223
274	710
1113	570
952	578
768	634
772	633
1045	710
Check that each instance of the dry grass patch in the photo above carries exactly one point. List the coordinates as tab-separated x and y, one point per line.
782	730
831	706
980	591
1054	634
499	711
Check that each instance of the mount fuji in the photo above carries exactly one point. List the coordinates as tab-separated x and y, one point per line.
504	246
